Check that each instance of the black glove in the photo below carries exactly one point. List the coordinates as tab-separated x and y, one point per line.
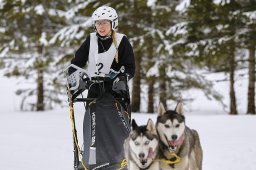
120	84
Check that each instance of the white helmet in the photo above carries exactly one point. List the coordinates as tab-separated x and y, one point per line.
108	13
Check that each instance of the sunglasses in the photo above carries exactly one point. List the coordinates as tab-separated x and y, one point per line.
102	22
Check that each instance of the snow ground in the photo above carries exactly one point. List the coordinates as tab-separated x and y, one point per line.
43	140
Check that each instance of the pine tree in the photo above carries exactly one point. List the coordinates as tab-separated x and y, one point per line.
134	23
247	41
28	27
217	42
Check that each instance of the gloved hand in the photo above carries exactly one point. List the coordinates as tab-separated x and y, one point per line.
120	84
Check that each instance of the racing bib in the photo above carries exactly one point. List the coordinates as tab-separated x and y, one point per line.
99	64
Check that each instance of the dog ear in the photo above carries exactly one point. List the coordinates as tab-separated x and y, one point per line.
134	124
179	108
151	125
161	109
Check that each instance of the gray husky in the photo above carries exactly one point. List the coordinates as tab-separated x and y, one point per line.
180	147
141	147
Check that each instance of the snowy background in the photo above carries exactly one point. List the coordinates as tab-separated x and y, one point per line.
43	140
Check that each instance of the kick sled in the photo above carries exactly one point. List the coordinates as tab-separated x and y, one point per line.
106	123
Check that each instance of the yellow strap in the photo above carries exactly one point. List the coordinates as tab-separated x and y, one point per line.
123	164
178	159
123	111
71	111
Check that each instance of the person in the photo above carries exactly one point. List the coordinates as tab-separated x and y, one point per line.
106	52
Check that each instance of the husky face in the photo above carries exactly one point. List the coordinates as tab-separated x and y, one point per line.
175	138
170	125
143	144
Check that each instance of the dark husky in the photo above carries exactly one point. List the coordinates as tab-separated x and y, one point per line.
141	147
180	147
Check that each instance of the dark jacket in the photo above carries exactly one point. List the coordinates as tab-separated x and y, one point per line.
125	54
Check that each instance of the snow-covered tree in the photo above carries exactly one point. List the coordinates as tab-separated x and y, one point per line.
26	50
172	41
219	36
156	30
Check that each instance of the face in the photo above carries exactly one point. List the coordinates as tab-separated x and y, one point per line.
170	131
103	27
143	143
170	124
143	150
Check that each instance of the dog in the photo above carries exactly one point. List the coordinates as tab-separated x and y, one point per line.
141	147
179	146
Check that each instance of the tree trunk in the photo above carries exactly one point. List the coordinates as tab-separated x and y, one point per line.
136	84
40	90
39	65
232	93
151	79
251	84
162	85
151	95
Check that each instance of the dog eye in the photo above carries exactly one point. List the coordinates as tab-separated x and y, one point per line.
178	125
167	126
136	143
147	142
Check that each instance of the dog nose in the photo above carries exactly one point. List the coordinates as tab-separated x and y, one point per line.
174	137
141	155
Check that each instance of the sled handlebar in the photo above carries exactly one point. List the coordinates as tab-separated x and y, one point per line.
78	80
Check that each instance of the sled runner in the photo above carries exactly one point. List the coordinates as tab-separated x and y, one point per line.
105	126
